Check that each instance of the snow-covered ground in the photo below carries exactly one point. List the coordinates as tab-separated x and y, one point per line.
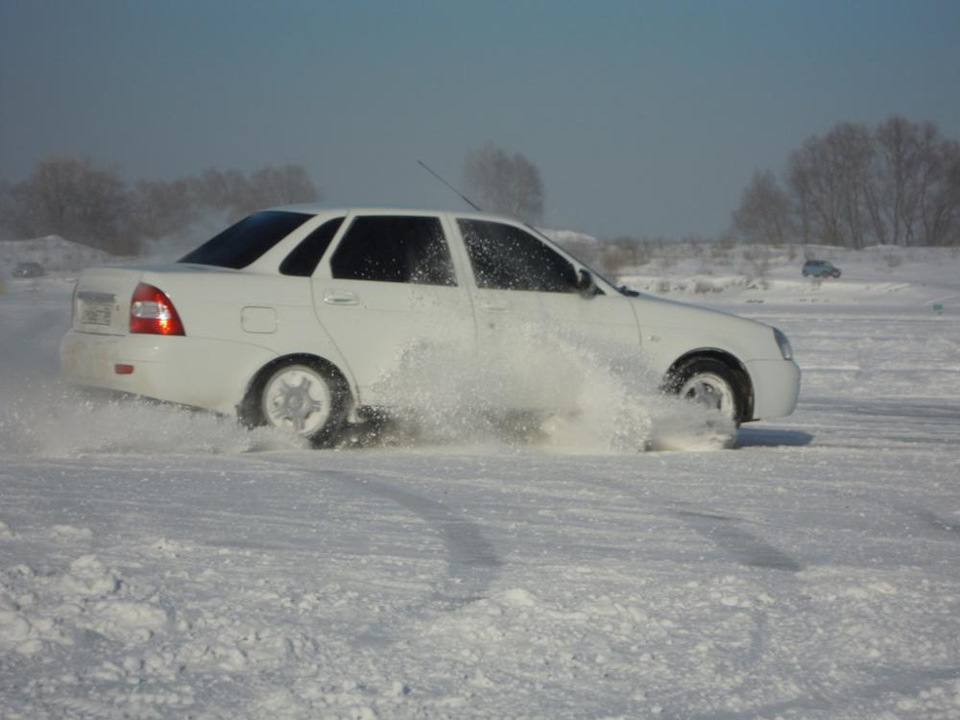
161	564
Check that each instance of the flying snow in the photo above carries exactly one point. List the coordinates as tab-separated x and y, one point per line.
575	395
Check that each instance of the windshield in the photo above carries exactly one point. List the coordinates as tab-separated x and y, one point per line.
243	243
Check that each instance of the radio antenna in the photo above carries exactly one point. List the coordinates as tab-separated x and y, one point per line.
463	197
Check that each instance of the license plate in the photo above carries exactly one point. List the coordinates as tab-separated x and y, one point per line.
96	314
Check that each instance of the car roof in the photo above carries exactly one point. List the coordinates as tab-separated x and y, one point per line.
324	209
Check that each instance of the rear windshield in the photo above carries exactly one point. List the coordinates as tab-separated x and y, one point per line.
241	244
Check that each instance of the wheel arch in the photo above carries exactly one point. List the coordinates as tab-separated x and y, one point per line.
745	394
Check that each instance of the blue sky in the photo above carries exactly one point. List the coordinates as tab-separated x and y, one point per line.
643	117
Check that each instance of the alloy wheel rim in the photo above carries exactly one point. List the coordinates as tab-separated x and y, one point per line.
297	399
709	392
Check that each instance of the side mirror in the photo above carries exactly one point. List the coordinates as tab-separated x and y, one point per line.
586	285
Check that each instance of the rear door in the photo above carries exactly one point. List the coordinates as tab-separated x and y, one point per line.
389	294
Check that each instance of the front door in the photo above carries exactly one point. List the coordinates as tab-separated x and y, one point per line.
532	319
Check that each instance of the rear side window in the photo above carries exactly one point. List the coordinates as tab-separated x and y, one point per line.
306	256
243	243
505	257
400	249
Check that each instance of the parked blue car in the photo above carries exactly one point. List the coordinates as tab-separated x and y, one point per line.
820	269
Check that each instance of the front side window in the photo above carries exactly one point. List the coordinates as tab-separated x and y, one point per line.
505	257
398	249
245	242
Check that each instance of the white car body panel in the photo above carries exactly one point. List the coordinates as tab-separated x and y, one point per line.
776	387
375	324
237	322
670	330
187	371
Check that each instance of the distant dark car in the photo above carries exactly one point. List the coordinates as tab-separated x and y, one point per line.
28	270
820	268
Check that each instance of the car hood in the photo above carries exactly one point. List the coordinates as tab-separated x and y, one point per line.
703	328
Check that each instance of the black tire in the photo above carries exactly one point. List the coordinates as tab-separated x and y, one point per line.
711	383
300	396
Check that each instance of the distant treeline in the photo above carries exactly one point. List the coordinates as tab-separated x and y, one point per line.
896	184
71	197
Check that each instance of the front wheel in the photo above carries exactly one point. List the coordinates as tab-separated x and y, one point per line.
711	384
302	398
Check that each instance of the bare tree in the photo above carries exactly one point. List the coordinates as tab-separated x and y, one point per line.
851	147
830	178
70	197
233	192
765	211
894	201
940	196
899	184
283	185
161	209
816	188
504	183
221	191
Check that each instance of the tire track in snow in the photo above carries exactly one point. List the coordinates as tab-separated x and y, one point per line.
750	551
472	561
834	702
744	547
722	531
934	521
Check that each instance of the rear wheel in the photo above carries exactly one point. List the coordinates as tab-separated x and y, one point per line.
303	398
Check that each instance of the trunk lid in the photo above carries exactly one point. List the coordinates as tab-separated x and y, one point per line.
101	301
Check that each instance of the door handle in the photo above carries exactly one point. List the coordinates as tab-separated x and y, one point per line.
497	308
340	297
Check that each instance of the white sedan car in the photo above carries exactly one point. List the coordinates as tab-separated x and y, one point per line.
293	317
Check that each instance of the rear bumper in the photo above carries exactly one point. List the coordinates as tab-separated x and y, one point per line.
776	387
203	373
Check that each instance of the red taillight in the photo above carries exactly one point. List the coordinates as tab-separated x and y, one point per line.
151	312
